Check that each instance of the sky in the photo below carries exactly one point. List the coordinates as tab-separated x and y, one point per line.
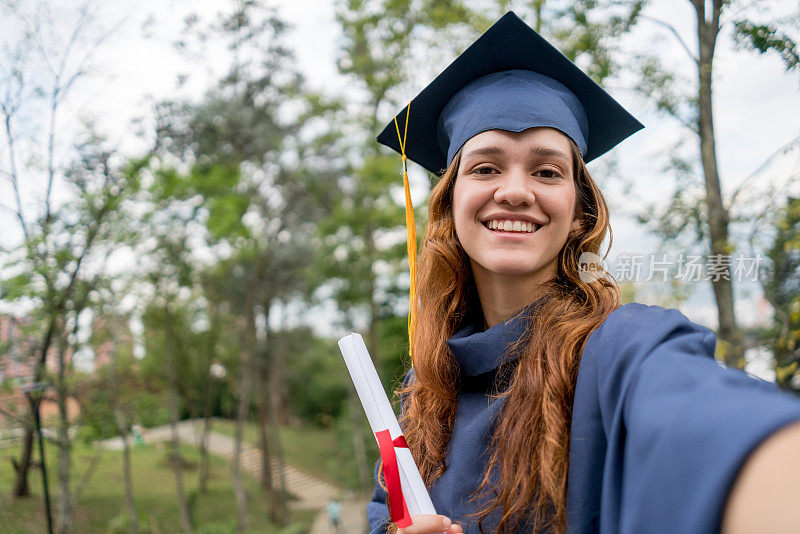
757	109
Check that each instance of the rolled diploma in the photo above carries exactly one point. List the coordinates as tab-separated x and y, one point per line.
381	417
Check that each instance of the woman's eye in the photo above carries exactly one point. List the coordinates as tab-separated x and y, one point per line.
548	173
483	170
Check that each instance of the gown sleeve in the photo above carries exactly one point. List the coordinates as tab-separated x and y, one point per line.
678	425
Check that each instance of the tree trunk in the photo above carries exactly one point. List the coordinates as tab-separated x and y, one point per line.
279	412
263	400
731	345
277	378
263	440
172	382
236	476
283	512
211	391
127	475
245	372
122	430
203	469
65	504
279	393
21	467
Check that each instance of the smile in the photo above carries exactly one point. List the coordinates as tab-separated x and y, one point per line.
500	225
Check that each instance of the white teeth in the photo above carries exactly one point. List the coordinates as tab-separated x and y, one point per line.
512	226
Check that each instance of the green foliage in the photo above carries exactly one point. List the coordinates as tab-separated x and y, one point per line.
769	38
343	442
781	283
666	89
119	389
149	409
318	382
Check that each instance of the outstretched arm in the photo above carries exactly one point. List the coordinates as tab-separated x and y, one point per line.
764	497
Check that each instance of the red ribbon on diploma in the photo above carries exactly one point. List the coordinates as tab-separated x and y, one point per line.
391	475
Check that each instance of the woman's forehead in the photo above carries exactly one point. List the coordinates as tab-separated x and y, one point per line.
502	141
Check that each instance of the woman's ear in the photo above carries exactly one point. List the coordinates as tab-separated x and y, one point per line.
577	224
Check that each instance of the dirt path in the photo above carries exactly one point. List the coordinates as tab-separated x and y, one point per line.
311	492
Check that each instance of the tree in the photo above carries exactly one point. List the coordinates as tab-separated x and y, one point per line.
260	163
701	208
41	67
167	317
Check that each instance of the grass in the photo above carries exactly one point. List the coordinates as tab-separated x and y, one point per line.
314	450
102	505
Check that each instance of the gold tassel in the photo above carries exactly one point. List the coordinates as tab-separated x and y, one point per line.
411	235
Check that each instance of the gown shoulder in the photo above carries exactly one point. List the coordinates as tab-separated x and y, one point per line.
660	428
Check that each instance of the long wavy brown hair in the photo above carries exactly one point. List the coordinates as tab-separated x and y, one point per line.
526	478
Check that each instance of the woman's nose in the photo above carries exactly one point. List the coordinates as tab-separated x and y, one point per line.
515	188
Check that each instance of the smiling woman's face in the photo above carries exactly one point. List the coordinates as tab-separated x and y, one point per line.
514	202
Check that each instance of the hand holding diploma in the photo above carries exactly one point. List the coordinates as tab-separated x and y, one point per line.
431	524
407	495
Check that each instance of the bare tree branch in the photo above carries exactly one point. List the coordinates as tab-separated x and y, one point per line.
16	417
782	150
12	173
58	92
675	33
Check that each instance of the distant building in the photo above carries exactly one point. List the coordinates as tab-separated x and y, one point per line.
18	360
15	358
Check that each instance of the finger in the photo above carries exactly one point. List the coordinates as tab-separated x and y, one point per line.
455	529
427	524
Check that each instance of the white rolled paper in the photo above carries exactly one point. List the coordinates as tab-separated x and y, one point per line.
381	417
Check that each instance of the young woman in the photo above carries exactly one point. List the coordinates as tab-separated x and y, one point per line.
536	403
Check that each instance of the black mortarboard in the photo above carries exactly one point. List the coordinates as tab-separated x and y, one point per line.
509	79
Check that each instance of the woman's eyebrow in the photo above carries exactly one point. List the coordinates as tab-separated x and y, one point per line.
536	150
544	151
483	151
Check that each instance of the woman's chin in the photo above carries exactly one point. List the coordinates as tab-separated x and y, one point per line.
518	270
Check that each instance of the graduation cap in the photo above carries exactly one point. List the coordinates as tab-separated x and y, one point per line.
510	79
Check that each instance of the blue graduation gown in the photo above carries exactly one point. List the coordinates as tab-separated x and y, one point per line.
659	428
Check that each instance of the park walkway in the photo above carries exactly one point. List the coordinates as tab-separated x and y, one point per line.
311	492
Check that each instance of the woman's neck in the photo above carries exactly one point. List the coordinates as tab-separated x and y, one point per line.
502	296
